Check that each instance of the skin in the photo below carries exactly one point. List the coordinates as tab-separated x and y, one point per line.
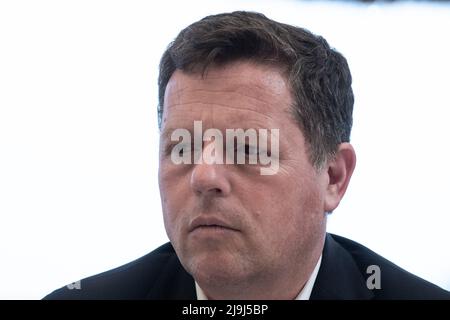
276	224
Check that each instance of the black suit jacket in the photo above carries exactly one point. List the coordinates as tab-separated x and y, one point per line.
342	275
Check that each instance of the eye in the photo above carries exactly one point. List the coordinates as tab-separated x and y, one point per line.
179	148
185	149
247	149
250	150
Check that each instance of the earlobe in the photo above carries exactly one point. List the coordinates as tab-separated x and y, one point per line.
340	170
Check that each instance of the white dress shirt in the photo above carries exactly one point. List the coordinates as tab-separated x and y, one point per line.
304	294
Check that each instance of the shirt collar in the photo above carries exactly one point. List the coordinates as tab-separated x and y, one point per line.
304	294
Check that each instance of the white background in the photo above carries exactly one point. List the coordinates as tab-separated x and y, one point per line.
79	137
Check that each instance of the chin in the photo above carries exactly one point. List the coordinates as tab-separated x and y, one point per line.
215	270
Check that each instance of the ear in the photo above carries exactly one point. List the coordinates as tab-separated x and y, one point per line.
339	171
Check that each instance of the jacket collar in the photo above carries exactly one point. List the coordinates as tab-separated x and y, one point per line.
339	277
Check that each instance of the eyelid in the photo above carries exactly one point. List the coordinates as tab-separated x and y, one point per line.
248	148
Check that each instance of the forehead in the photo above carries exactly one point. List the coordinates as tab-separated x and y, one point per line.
241	92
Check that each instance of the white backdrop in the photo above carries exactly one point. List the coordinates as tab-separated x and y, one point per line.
79	138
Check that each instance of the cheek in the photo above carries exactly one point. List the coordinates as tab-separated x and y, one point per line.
172	200
286	207
173	184
174	221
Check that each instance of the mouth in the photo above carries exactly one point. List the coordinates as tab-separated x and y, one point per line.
209	224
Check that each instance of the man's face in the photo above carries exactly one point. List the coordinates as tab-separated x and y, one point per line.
227	222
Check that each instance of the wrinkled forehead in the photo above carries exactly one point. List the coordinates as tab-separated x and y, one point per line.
228	95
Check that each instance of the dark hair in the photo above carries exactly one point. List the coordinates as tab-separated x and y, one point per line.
319	76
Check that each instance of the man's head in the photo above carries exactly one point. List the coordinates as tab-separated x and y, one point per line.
240	233
318	76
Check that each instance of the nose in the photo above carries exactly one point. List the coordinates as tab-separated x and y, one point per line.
210	179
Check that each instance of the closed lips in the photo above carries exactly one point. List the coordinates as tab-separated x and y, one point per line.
211	222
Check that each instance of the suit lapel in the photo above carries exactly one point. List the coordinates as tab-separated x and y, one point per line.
339	277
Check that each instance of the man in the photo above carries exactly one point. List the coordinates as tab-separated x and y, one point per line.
254	228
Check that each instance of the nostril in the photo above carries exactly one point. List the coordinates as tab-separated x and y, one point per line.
212	191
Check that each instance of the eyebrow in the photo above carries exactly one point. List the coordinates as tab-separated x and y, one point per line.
167	133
